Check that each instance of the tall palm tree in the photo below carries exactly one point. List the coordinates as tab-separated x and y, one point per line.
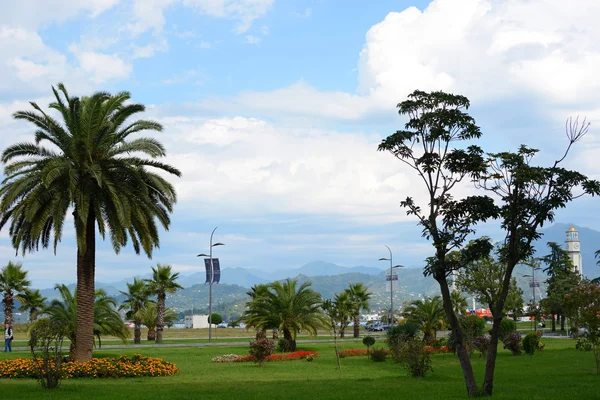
359	297
428	315
459	303
13	279
32	301
107	320
136	298
288	307
345	310
162	282
89	163
257	291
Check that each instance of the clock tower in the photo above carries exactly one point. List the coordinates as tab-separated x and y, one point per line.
574	249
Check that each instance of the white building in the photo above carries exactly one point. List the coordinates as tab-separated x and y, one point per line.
574	249
196	321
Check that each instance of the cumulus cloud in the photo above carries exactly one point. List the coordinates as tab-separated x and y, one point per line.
486	49
243	11
104	67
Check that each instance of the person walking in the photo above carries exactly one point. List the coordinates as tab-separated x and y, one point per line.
8	337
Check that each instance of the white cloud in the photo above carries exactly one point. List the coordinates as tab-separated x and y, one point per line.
32	14
150	49
104	67
243	11
486	49
252	39
247	165
148	15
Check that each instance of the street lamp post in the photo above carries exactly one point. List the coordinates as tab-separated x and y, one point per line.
391	319
210	282
534	264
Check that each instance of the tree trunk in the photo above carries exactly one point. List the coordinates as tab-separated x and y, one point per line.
151	335
356	325
461	351
335	344
86	265
8	308
137	332
287	335
160	317
275	334
553	323
562	322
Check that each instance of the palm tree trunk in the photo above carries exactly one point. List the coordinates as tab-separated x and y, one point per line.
86	266
137	332
287	335
151	335
160	317
356	325
32	315
8	308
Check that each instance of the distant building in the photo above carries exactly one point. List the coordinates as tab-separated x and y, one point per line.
196	321
574	249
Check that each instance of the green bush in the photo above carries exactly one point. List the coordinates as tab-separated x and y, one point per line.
530	343
473	326
481	344
583	344
284	345
401	333
378	355
310	358
506	326
368	341
413	355
45	342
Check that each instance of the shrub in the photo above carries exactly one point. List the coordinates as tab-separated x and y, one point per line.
260	349
415	357
401	333
583	344
45	342
473	326
481	344
530	343
441	342
368	341
310	357
506	326
512	342
284	345
379	355
112	367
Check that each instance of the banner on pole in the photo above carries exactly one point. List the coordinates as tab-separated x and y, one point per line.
216	273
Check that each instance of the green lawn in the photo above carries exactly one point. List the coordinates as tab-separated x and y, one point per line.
558	372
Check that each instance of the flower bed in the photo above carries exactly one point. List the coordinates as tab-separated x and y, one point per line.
115	367
357	352
296	355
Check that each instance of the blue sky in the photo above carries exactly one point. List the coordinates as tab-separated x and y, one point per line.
273	111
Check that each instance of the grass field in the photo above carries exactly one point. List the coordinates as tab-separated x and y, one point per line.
559	372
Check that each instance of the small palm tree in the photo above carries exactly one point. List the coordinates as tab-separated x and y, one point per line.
137	297
288	307
32	301
162	282
359	297
147	315
87	164
13	279
459	303
428	315
107	320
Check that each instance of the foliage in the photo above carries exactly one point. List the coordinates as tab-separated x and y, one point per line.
582	305
45	342
260	349
531	342
401	333
483	278
162	282
481	344
297	355
107	320
93	169
459	303
135	366
338	313
512	342
368	341
310	358
283	344
13	279
583	344
432	145
414	356
215	319
147	316
359	297
428	315
506	326
289	308
379	355
136	298
31	301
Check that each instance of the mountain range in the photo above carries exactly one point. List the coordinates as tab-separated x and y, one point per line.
328	278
